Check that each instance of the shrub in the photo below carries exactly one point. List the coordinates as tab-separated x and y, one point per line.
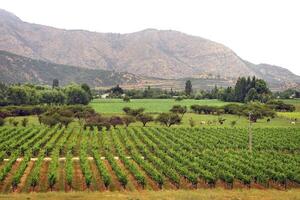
233	123
116	120
144	118
133	112
280	106
15	123
192	122
128	120
24	122
178	109
168	119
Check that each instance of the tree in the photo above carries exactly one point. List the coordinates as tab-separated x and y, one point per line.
116	120
87	89
240	89
76	95
178	109
144	118
168	119
128	120
117	90
133	112
252	95
53	97
55	83
17	95
188	88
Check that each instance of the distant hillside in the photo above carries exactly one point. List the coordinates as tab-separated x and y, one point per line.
19	69
153	53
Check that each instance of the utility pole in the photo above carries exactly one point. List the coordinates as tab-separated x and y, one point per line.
250	133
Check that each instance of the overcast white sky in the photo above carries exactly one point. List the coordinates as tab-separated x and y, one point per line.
260	31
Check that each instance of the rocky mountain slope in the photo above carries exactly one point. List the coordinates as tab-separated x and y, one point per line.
153	53
19	69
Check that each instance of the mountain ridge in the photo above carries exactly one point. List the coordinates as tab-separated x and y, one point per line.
156	53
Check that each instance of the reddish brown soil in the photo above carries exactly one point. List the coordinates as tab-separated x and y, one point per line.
22	185
78	179
185	184
97	180
203	184
132	182
150	184
43	183
115	185
61	186
239	185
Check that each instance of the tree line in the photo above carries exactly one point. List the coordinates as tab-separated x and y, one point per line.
29	94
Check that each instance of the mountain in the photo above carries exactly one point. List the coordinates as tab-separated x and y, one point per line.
155	53
19	69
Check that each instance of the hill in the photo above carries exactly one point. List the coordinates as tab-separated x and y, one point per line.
153	53
19	69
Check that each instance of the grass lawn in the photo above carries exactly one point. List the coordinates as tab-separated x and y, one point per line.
201	194
150	105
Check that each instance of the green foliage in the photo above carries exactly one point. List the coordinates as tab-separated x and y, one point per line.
280	106
133	112
168	119
188	88
33	94
192	122
178	109
24	122
53	97
76	95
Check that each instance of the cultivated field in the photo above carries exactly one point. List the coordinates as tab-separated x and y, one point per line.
41	159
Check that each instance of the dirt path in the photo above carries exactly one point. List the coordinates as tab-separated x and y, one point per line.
150	183
115	184
132	184
22	185
97	179
61	176
43	183
78	183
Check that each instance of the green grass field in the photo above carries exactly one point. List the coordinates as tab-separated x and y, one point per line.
150	105
110	107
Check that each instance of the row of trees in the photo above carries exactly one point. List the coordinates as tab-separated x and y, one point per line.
245	90
29	94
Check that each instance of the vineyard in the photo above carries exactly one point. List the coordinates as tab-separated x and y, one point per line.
44	159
